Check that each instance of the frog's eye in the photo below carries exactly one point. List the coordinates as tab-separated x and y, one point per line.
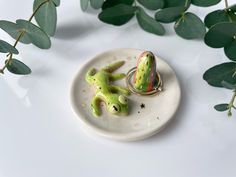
92	71
123	99
114	108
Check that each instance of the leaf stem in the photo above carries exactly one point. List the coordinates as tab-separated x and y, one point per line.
231	104
179	20
226	4
36	10
186	3
10	55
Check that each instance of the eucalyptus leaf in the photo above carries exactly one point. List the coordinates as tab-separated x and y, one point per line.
220	34
190	26
56	2
205	3
37	36
17	67
84	4
216	17
230	50
170	14
175	3
5	47
46	16
152	4
96	4
111	3
117	15
14	31
222	72
222	107
228	85
148	23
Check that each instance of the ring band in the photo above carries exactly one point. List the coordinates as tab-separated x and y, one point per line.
130	86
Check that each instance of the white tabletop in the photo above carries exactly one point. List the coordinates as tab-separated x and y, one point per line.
41	137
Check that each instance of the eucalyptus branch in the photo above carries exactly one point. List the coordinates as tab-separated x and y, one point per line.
10	55
231	104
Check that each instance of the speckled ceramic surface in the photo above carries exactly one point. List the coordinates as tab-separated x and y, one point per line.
148	114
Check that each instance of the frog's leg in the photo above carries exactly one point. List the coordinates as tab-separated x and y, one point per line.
115	77
116	89
95	106
112	67
89	75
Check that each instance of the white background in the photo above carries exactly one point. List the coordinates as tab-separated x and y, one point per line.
41	137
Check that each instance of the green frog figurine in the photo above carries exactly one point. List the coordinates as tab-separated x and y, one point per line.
113	96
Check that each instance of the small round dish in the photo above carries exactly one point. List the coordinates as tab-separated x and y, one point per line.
147	115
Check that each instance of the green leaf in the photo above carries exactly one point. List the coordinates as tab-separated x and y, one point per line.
190	26
205	3
170	14
221	107
230	50
117	15
36	36
84	4
220	34
46	16
148	23
175	3
56	2
96	4
7	48
152	4
216	17
14	31
111	3
17	67
228	85
222	72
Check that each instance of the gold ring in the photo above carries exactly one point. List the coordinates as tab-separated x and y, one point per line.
129	83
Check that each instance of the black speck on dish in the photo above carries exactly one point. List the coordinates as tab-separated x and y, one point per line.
142	106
